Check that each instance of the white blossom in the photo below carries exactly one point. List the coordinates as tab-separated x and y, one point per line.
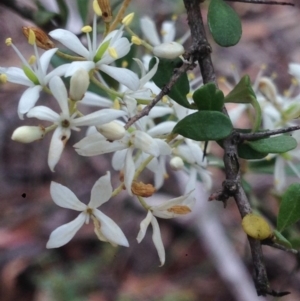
105	228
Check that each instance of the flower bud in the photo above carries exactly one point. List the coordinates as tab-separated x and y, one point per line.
79	84
170	50
112	130
256	227
27	134
41	38
176	163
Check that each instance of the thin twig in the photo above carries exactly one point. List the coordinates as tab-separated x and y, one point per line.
266	134
164	91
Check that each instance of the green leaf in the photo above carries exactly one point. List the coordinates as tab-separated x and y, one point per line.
289	210
204	126
246	152
63	11
243	93
163	75
83	7
274	145
280	239
209	97
224	23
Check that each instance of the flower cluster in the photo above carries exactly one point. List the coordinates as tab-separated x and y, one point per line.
147	144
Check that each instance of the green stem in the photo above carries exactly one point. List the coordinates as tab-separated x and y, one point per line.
109	91
69	57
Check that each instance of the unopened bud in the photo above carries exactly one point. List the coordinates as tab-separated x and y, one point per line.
128	19
106	10
176	163
170	50
27	134
41	38
142	189
112	130
79	84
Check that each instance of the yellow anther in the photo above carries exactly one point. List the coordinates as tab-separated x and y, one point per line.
116	104
294	81
263	67
41	38
97	8
191	76
8	41
3	78
174	17
32	60
163	32
112	52
136	40
274	75
189	95
128	19
124	64
165	99
222	79
31	37
86	29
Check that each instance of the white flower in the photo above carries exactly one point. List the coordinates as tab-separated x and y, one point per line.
97	144
65	122
170	209
105	228
33	76
99	57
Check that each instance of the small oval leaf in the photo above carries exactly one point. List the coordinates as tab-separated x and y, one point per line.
224	23
248	153
204	126
274	145
209	97
289	210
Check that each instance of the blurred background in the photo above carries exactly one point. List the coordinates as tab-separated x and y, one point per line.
86	269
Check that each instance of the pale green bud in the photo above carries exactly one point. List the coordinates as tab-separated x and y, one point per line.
170	50
27	134
112	130
79	84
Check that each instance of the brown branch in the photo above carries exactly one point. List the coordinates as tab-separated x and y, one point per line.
164	91
263	2
266	134
232	185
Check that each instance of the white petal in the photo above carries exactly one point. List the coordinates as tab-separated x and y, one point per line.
168	31
96	144
93	99
294	69
65	198
63	234
58	71
143	226
162	210
149	30
110	230
163	128
156	237
59	91
99	117
45	59
28	100
17	76
69	40
118	159
101	191
145	142
163	147
279	174
43	113
57	145
123	76
150	74
73	67
129	170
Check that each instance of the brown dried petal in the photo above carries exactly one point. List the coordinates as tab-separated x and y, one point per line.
179	209
42	39
106	10
142	189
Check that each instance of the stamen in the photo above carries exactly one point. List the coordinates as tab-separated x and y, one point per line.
31	37
97	8
32	60
86	29
3	78
8	41
136	40
112	52
128	19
